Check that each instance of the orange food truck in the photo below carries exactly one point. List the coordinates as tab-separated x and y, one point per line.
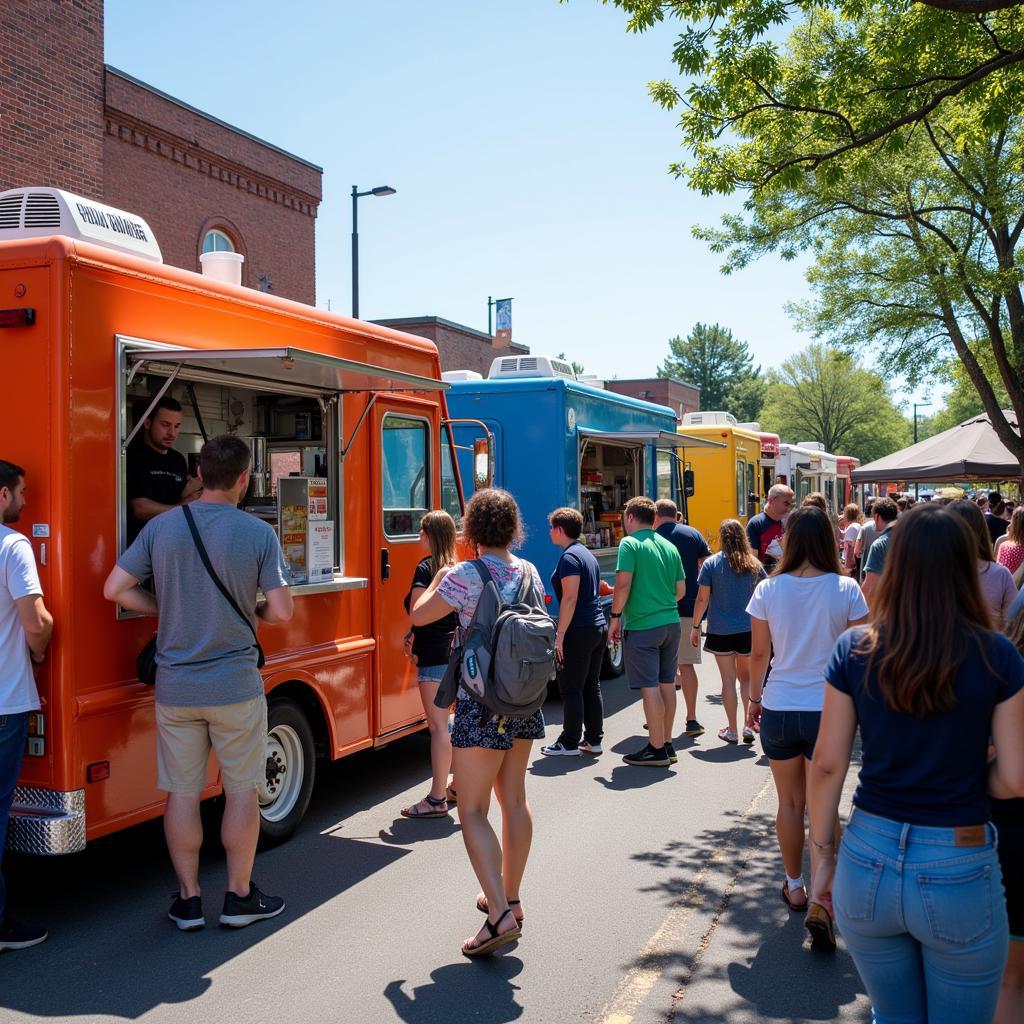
351	446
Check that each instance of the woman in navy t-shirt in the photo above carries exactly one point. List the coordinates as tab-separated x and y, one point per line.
918	892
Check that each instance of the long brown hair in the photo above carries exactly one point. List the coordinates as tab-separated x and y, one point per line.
809	539
732	539
439	529
1015	528
928	612
975	519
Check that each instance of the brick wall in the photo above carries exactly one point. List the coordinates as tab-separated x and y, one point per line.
460	348
185	173
51	95
676	394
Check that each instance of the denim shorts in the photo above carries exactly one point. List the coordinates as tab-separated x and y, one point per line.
788	734
430	673
650	655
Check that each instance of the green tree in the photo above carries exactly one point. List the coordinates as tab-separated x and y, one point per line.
720	365
856	73
962	402
821	394
577	368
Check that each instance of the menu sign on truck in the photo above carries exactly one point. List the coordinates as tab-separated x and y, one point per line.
307	535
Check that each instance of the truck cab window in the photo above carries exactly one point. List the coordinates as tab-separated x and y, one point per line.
665	464
450	500
741	487
405	475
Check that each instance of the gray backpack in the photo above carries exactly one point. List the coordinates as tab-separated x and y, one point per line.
507	655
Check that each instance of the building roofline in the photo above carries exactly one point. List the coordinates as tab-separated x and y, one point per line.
648	380
209	117
440	321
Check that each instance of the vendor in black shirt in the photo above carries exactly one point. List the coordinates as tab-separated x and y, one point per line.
428	648
157	475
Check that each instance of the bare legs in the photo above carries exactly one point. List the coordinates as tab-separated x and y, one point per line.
499	870
1011	999
791	784
687	676
440	746
733	667
239	832
660	711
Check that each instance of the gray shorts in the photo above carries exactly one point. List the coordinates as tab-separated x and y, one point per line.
650	656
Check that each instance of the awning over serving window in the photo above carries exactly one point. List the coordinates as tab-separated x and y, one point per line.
284	366
659	438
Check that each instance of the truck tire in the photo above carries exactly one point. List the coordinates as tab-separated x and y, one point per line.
291	767
613	666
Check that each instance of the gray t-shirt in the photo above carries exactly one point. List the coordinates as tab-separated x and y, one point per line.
205	654
875	561
730	594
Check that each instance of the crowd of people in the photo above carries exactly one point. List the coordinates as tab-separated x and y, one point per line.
903	620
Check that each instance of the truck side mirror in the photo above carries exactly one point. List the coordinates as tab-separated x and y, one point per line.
688	489
483	462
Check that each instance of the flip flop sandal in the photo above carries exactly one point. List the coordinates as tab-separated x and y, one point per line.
481	905
411	812
822	928
497	940
797	908
728	736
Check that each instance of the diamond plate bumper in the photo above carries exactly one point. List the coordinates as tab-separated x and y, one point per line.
46	821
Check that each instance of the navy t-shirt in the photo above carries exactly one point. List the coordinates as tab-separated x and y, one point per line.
576	560
692	547
929	770
761	531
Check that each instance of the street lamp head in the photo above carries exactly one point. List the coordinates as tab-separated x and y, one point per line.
383	190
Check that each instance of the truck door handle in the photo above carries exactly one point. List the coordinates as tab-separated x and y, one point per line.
385	565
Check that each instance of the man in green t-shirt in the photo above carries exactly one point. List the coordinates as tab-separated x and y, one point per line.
649	583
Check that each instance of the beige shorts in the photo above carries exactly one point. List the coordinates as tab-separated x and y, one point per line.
237	733
688	654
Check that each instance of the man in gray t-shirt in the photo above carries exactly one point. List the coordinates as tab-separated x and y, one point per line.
209	693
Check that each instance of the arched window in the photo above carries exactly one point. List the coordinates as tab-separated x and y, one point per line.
217	241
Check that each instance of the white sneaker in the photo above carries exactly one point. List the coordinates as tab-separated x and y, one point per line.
591	748
557	750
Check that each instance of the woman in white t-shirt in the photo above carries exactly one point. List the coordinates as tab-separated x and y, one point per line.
796	616
851	522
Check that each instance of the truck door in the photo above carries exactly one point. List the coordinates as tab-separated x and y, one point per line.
405	477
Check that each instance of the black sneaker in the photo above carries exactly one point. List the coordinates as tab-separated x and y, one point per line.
187	914
671	751
19	936
240	911
694	728
649	757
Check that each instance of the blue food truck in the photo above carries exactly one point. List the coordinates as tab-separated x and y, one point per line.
558	441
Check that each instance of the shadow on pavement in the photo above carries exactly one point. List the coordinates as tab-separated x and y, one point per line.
629	776
405	831
725	754
482	990
549	767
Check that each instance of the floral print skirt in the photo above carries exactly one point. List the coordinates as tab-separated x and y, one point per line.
476	726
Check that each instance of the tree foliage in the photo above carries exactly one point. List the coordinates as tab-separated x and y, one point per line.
821	394
578	368
721	366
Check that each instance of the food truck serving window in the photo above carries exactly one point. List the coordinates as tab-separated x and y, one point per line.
405	474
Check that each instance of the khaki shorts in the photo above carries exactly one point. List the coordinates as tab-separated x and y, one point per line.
688	654
236	732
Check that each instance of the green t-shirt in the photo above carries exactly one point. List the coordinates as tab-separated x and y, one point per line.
656	568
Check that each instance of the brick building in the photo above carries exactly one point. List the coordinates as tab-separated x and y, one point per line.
72	122
460	347
676	394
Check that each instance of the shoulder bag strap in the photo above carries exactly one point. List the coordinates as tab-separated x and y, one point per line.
200	547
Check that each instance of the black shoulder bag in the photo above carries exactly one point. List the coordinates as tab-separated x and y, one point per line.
145	661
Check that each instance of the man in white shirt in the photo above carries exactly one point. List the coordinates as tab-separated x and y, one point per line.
25	628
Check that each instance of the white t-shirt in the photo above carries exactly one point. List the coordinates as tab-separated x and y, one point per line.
18	578
806	615
851	533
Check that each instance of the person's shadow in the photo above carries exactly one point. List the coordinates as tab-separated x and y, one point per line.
457	992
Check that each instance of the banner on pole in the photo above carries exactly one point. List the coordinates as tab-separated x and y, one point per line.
503	323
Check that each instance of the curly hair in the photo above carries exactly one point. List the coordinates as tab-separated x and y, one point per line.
492	519
732	539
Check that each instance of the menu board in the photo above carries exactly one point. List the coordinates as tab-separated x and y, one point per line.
307	535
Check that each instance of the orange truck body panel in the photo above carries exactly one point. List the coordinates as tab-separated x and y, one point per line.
60	420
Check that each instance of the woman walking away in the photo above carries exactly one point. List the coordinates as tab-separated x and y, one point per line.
1010	549
800	611
489	751
997	586
580	641
917	890
428	648
726	583
851	522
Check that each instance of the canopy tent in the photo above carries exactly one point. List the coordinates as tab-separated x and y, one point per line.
969	451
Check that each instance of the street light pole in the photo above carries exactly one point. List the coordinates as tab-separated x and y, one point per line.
380	190
918	405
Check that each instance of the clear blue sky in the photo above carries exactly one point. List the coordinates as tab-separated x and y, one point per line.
528	158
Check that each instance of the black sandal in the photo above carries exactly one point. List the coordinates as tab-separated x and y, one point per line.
497	940
481	905
432	801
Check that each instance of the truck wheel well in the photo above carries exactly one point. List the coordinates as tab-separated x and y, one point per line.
307	699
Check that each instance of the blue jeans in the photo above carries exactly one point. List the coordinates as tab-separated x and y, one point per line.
924	920
13	731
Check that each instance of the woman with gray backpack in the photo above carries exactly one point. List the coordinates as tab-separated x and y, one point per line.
503	658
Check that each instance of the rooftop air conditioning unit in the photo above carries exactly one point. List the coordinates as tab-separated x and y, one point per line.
709	419
509	367
37	212
814	446
457	375
753	426
592	380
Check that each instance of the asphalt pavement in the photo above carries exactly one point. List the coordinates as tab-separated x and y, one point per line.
652	895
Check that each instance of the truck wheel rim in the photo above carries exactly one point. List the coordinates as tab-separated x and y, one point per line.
615	655
285	771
